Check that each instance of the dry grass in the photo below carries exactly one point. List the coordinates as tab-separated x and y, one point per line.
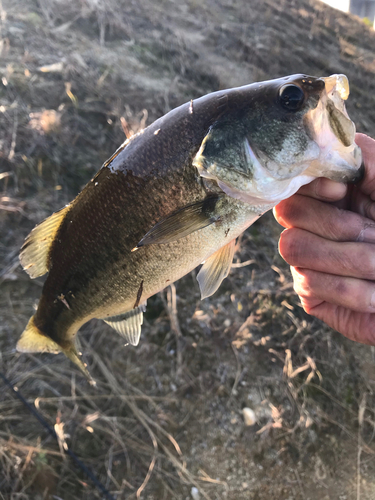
77	78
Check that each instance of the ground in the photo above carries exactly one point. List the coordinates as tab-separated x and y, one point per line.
166	417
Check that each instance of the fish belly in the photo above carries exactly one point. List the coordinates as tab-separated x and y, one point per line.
153	267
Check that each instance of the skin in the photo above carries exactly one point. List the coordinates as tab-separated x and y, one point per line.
329	241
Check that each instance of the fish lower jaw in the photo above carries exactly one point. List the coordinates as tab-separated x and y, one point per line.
288	188
338	165
265	195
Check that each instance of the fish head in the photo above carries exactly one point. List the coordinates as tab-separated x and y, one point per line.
279	135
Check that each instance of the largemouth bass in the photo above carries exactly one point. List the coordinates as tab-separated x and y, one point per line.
177	195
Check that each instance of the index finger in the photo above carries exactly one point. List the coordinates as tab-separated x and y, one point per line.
324	190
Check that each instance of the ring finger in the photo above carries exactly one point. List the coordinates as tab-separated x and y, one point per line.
315	287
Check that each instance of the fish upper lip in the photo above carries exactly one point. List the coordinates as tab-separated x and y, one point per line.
338	83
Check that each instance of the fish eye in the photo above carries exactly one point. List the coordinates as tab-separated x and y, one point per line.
291	97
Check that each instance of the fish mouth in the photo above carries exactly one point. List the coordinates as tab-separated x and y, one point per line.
331	128
337	91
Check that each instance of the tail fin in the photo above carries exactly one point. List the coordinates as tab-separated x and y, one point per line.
34	340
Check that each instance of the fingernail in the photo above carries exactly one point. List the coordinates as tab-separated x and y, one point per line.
367	235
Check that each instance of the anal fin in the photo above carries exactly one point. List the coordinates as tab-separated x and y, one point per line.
35	251
215	269
128	325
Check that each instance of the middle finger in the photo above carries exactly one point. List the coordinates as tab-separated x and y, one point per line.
301	248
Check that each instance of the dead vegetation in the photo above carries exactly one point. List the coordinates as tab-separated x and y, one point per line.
165	420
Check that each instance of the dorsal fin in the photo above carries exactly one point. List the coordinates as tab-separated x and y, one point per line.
35	251
215	269
128	325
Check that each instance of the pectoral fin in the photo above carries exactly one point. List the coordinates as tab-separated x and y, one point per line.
183	222
215	269
128	325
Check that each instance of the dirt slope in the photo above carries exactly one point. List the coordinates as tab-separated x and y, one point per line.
77	77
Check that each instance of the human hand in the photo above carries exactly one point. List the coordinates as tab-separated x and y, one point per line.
329	242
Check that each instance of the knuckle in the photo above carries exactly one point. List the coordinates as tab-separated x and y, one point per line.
357	262
369	269
367	232
364	262
339	287
338	223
